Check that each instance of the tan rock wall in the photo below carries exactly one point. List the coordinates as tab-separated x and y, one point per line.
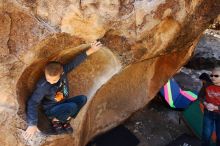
146	42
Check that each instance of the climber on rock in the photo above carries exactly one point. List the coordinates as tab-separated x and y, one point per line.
52	92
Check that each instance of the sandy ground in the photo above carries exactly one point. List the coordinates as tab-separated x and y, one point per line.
156	124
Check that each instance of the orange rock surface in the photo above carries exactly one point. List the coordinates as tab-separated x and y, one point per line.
146	42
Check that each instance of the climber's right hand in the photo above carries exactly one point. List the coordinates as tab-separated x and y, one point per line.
95	46
30	132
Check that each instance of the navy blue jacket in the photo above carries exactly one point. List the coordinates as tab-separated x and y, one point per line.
45	92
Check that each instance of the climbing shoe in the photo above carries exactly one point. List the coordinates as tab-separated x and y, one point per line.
68	127
58	127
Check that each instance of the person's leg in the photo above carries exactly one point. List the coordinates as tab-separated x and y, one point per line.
208	125
79	100
217	125
63	111
59	116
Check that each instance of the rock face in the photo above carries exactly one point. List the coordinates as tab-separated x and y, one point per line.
145	41
207	53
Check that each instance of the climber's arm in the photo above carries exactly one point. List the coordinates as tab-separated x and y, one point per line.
201	95
75	62
32	111
95	46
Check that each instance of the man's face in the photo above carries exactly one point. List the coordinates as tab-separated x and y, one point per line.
52	79
215	77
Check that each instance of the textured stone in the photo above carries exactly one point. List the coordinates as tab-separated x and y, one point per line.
207	54
4	33
146	42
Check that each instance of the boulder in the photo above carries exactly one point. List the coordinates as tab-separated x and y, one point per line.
207	53
145	43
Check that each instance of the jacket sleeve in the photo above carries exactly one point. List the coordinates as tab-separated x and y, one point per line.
74	62
32	105
201	95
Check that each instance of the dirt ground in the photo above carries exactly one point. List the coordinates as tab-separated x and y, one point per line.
156	124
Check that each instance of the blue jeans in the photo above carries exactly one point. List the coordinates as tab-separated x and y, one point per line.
67	108
210	120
